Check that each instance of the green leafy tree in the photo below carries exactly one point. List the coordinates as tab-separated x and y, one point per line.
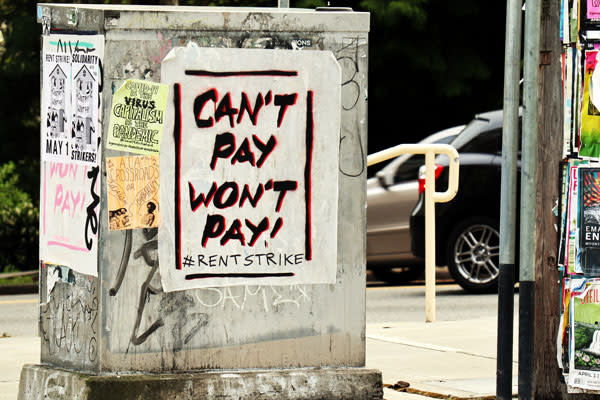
18	223
433	64
20	79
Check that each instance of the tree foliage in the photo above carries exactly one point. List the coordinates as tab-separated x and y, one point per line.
433	65
19	74
18	223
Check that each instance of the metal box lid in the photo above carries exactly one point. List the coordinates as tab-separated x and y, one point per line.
102	17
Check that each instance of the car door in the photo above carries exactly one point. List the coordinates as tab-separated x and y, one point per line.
388	236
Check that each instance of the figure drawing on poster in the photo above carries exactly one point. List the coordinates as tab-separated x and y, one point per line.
70	98
84	132
133	192
56	115
584	363
56	102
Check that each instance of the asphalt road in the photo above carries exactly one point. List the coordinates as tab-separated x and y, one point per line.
406	302
18	315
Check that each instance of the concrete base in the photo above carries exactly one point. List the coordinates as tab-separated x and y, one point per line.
44	382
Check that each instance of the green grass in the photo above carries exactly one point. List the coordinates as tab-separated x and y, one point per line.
20	280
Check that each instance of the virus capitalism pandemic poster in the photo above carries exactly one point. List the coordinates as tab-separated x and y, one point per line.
137	117
249	169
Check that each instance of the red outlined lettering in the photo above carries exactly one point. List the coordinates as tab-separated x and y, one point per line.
225	109
199	104
223	148
260	190
257	230
284	101
277	227
231	199
265	148
245	107
234	232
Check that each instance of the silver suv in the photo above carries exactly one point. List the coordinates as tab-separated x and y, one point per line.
391	195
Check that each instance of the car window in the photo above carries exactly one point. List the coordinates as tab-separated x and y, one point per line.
478	138
409	170
466	135
486	142
373	169
446	140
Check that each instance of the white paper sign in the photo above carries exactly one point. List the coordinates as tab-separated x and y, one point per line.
70	100
249	168
69	206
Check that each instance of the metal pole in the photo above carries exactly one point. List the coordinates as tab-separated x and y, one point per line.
431	197
508	200
283	3
528	198
429	237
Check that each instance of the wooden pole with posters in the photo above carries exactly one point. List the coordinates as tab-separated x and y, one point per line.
548	381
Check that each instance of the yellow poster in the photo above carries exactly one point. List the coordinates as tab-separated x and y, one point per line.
137	117
132	187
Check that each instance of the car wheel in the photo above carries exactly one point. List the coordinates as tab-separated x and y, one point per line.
401	274
473	254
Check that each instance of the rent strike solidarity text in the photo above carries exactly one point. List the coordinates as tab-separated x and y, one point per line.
252	151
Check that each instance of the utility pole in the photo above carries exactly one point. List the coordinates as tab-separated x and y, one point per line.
547	375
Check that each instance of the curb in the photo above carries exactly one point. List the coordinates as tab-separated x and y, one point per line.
19	289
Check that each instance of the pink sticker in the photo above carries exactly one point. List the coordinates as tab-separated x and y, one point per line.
593	9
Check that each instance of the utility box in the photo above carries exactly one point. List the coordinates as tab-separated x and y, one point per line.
157	290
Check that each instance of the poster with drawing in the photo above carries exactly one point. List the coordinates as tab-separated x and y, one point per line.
590	114
249	169
70	98
137	117
69	207
592	10
56	108
132	190
55	274
584	363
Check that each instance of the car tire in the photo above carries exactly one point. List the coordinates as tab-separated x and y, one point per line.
473	254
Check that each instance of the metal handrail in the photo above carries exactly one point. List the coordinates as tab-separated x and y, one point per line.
431	197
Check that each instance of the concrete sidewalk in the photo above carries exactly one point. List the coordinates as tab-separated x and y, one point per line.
449	359
14	353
